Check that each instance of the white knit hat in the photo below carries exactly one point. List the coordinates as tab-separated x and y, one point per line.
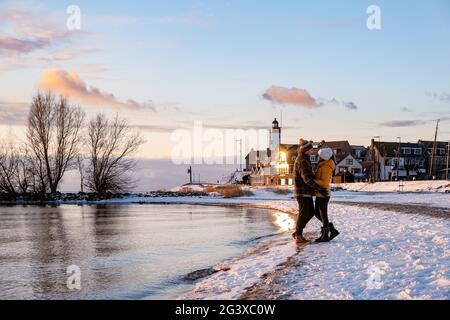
325	153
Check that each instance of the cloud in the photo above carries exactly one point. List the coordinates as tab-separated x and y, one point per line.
12	45
406	109
444	96
294	96
28	31
13	112
302	98
350	105
403	123
71	85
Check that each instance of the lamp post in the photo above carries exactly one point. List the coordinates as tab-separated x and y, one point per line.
190	174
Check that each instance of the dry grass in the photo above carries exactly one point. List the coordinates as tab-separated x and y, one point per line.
185	190
209	189
282	191
229	191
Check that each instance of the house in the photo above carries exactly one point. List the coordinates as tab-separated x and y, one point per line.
408	161
396	160
436	162
255	157
359	152
275	166
345	159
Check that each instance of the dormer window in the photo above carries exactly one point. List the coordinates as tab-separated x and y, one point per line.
406	150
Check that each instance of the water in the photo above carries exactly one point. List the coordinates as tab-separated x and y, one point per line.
123	252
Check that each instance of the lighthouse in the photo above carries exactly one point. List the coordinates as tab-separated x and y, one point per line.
275	141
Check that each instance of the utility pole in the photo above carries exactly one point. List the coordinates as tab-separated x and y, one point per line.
448	156
433	154
374	179
398	156
240	153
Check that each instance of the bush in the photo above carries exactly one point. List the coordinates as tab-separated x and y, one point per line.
282	191
231	191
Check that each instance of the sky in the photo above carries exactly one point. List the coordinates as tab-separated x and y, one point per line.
163	65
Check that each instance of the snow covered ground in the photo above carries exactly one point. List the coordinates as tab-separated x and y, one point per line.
434	199
380	254
406	186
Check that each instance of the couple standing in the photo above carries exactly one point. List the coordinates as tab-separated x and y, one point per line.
308	185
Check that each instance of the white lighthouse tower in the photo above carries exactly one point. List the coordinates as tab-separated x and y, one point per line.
275	141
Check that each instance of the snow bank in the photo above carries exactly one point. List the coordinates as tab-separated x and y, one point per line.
435	199
408	186
379	255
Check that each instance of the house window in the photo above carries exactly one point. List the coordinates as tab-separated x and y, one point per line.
417	151
441	151
283	182
406	150
349	162
290	182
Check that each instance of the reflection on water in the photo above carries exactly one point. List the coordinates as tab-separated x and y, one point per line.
129	251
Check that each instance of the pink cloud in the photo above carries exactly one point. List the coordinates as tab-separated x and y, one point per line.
294	96
71	85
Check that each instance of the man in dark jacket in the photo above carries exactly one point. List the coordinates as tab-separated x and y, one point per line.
305	187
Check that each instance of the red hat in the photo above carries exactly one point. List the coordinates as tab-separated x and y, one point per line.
305	145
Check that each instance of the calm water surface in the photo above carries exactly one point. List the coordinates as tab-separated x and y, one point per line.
123	252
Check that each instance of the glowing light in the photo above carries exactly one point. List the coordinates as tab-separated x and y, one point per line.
284	221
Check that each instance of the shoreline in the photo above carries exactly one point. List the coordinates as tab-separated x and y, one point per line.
271	268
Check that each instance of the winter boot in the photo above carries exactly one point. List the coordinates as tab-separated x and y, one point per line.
333	232
325	235
298	237
321	235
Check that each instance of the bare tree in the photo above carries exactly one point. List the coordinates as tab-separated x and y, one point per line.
53	137
9	164
111	143
15	173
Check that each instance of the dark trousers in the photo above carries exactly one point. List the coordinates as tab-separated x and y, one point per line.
321	210
305	212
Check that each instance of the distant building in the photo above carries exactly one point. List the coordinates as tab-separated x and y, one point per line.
346	161
439	160
406	161
381	161
275	166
